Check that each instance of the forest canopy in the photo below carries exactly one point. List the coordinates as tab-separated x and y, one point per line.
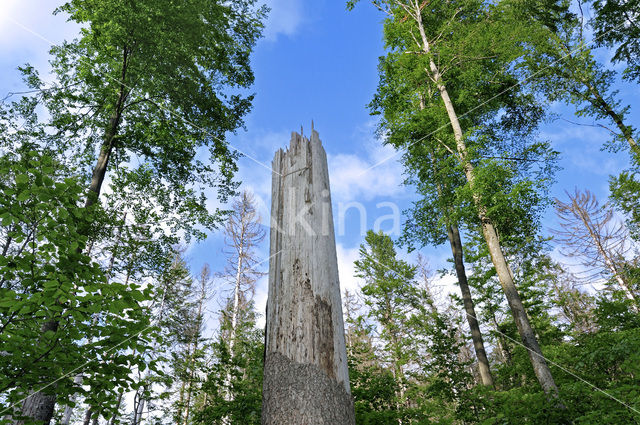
506	296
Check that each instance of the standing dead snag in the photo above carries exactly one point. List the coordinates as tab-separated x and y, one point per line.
306	381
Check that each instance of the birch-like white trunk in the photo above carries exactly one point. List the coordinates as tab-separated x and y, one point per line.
234	323
540	367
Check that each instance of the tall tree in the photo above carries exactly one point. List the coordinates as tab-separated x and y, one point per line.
232	389
423	227
243	234
53	297
128	88
173	314
194	338
373	386
576	306
388	291
238	340
462	48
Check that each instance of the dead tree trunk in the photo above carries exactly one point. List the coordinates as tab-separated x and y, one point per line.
306	381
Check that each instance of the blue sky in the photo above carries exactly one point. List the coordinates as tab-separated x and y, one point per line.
318	62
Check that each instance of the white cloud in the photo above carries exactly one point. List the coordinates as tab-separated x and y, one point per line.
358	178
285	18
442	287
346	268
262	290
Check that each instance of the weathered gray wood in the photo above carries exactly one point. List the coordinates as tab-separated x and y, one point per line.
306	381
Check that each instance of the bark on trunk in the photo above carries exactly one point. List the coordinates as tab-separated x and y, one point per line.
100	169
179	414
87	416
43	405
39	406
607	109
140	392
502	344
139	408
540	367
469	308
7	243
306	380
192	368
234	322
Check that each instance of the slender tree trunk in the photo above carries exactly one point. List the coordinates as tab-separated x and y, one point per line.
469	308
188	405
540	367
139	407
599	102
87	416
306	380
397	370
43	405
399	376
91	413
455	241
7	243
234	321
502	345
179	412
192	361
100	169
236	301
112	421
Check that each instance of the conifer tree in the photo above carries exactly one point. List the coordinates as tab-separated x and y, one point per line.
589	233
233	385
